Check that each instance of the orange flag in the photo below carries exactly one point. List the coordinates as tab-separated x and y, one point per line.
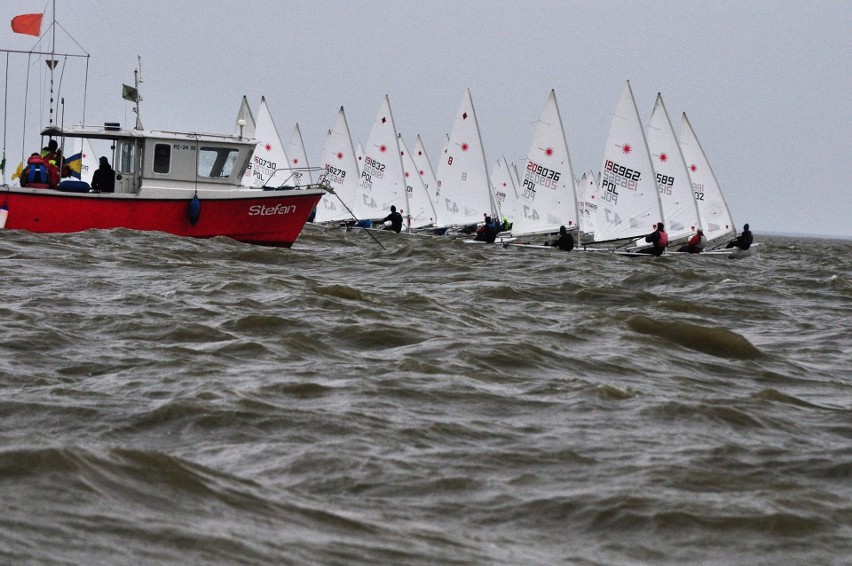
29	24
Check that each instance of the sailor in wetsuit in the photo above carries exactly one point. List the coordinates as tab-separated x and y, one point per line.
659	239
743	241
565	242
696	244
395	219
487	232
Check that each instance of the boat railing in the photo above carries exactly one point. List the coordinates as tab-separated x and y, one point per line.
297	173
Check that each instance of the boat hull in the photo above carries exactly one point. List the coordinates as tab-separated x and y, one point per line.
270	218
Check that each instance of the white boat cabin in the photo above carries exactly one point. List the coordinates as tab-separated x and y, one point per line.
168	160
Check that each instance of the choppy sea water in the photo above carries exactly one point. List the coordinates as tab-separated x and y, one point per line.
176	401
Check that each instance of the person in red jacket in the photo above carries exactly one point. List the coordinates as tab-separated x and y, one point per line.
659	240
36	174
696	243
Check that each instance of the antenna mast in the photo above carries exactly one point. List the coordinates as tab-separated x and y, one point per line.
51	63
137	78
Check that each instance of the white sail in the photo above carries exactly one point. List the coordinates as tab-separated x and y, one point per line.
421	211
547	198
673	182
505	189
464	191
381	184
427	174
89	161
712	209
299	173
246	130
588	207
341	170
628	201
269	157
359	152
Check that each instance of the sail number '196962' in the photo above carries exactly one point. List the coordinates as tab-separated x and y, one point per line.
263	210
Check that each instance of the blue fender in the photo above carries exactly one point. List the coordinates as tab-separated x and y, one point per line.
193	211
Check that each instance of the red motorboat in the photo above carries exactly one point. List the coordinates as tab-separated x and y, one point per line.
186	184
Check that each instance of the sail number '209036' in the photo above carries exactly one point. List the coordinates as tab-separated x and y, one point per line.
263	210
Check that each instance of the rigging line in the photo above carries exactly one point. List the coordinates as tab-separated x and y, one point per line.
83	49
325	186
5	110
26	98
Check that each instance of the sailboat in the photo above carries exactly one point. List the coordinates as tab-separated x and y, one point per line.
341	173
680	212
244	125
359	152
713	210
300	172
382	182
421	210
427	174
587	195
88	160
269	161
628	204
547	198
463	187
505	189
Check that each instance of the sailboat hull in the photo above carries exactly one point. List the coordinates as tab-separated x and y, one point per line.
271	218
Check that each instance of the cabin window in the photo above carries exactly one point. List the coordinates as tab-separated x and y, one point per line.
126	157
216	162
162	157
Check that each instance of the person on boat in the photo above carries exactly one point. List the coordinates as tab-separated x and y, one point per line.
743	241
56	161
103	179
395	219
48	152
658	240
487	232
38	175
696	243
506	225
564	242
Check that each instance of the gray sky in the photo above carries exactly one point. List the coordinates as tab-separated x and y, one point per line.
766	85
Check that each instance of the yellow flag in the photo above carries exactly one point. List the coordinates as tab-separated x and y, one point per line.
18	170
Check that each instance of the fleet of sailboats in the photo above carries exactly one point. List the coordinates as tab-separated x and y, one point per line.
646	177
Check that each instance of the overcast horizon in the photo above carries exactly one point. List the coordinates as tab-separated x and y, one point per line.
765	84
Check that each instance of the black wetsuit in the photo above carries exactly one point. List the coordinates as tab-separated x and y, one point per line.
743	241
396	221
565	242
654	238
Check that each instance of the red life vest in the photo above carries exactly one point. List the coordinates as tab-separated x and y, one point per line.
664	239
